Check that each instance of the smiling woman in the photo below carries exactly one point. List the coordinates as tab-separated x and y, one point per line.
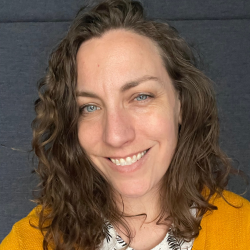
126	135
129	85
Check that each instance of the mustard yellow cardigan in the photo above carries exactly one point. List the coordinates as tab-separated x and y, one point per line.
227	228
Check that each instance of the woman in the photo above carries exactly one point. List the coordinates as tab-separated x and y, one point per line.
127	139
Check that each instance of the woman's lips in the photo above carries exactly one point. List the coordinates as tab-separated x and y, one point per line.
122	167
128	160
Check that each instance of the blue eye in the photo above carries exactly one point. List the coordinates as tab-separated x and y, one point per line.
142	97
89	108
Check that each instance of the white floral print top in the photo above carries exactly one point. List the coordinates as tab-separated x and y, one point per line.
114	242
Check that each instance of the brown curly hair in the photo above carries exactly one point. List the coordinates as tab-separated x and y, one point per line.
75	199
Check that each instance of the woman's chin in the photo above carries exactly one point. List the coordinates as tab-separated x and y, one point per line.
133	190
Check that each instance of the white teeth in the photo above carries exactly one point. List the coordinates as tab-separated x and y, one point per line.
128	160
122	162
134	159
139	156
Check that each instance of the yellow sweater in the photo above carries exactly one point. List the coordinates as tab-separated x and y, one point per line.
227	228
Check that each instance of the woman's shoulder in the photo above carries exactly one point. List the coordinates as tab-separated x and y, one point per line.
227	201
231	202
232	209
228	227
24	234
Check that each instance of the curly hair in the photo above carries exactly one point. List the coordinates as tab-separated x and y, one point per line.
75	199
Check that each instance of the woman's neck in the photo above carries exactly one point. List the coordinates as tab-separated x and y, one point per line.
148	204
141	214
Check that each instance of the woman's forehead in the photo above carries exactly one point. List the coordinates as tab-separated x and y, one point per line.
117	57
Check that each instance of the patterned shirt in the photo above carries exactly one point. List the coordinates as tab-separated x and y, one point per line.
114	241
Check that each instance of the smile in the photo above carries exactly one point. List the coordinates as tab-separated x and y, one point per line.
128	160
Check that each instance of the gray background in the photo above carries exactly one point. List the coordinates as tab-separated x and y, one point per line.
29	29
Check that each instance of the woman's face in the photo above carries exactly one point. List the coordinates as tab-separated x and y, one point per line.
128	107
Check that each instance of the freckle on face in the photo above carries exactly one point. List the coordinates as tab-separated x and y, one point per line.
120	127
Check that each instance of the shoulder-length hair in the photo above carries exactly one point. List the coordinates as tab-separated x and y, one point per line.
75	199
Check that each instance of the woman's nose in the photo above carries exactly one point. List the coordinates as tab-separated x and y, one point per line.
118	129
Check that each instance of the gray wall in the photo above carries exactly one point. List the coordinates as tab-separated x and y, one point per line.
219	29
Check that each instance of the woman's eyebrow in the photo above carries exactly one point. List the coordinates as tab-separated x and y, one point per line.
125	87
138	81
86	94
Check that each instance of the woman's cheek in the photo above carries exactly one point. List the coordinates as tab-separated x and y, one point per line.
89	133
